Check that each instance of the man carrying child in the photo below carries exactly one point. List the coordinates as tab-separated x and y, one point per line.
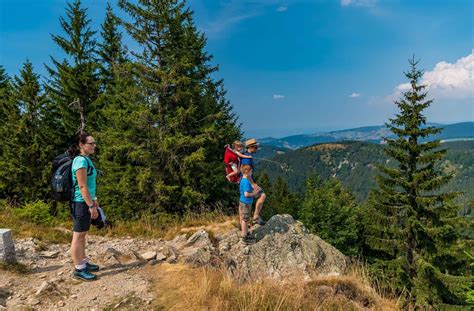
252	147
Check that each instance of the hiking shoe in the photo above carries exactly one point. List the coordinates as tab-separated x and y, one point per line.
83	275
259	221
248	240
91	267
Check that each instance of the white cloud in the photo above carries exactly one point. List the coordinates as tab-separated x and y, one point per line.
282	8
446	80
354	95
278	96
364	3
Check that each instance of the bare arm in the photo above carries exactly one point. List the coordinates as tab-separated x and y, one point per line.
241	155
250	194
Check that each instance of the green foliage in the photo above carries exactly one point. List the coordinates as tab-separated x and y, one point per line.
355	163
167	119
409	225
24	152
329	211
74	84
37	212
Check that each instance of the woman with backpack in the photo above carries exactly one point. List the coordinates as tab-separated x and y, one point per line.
84	204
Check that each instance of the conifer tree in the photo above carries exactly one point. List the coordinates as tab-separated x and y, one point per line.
409	223
110	51
283	201
73	84
183	120
329	211
9	119
32	152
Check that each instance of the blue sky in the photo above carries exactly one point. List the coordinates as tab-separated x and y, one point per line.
300	66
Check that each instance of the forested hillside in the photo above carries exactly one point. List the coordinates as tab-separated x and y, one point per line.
354	164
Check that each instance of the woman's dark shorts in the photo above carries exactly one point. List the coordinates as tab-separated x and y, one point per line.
81	217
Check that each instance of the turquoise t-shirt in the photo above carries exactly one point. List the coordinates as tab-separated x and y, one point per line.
81	162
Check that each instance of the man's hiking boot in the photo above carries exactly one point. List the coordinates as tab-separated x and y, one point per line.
259	221
248	240
91	267
83	275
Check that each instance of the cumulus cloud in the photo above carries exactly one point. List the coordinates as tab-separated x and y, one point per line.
278	96
354	95
364	3
282	8
446	80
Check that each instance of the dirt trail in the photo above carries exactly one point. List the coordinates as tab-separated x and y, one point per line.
123	282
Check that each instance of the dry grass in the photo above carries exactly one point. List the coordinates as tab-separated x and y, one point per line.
25	229
158	226
168	227
180	287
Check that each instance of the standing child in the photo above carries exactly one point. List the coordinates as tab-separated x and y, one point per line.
237	148
245	205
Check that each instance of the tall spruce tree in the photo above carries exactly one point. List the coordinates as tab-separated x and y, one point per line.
24	150
410	232
32	152
73	84
181	121
110	49
9	120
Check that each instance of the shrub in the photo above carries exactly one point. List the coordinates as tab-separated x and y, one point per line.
37	212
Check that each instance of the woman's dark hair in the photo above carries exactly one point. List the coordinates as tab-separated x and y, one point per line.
81	138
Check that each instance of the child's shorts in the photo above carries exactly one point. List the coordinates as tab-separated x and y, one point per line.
245	209
234	167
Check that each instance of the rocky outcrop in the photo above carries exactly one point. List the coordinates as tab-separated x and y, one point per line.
284	249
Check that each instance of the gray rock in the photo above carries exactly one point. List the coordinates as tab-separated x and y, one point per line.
178	242
43	287
3	302
284	248
148	255
160	256
7	247
49	254
34	302
198	249
171	253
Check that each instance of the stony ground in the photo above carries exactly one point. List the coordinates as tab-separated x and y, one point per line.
43	280
123	279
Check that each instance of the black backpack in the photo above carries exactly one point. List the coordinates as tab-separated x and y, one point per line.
61	180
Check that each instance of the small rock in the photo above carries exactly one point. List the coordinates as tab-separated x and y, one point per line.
45	285
42	276
61	303
49	254
94	298
246	250
153	262
60	273
34	302
148	255
160	256
73	296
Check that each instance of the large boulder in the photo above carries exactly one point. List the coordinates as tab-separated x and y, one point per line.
284	249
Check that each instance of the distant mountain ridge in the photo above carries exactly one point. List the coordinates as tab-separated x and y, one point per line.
372	134
354	164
